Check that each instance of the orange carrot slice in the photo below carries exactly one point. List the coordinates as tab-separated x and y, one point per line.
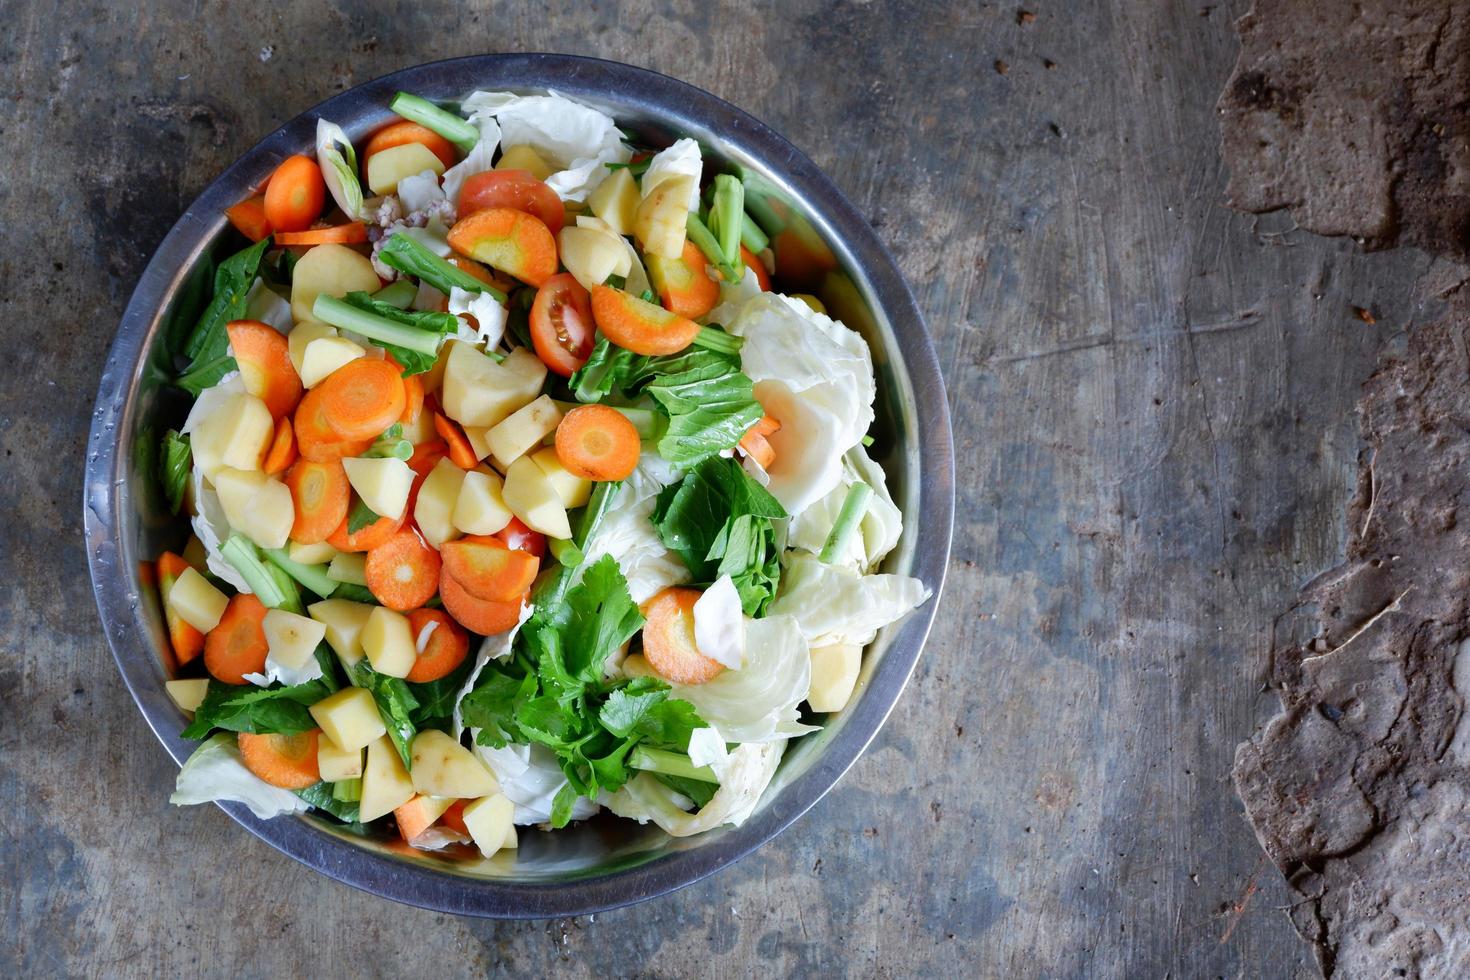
477	615
755	443
399	133
320	494
187	642
668	638
265	364
352	233
287	761
461	453
402	572
511	241
640	326
453	818
366	538
596	442
295	194
362	398
249	218
753	262
445	649
316	440
282	452
488	569
237	646
684	286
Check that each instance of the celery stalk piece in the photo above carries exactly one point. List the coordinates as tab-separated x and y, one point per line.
565	552
460	132
408	255
314	577
854	506
336	313
704	239
727	210
603	494
670	764
399	293
274	591
717	340
751	235
347	790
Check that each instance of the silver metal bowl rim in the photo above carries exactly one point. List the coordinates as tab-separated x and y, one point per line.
669	99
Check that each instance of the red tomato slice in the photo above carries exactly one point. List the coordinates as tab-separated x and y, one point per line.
521	538
562	328
514	189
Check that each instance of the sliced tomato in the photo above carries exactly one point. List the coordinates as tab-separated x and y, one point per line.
520	537
562	328
514	189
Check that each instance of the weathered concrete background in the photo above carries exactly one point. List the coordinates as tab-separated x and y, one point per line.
1153	407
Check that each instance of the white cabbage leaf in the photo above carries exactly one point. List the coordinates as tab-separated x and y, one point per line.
489	317
575	138
628	535
215	772
530	777
338	162
759	702
719	624
733	297
680	159
436	838
707	748
495	647
480	159
268	306
213	530
837	605
881	525
746	775
290	676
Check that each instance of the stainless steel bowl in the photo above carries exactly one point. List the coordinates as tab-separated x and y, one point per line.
603	863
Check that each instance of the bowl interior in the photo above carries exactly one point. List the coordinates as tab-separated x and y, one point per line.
825	248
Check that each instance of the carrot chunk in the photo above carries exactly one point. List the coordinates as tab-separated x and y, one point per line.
237	645
287	761
362	398
640	326
265	365
596	442
295	194
477	615
488	569
403	572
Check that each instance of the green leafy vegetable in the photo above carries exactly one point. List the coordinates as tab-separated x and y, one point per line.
360	516
718	521
314	577
276	710
396	704
355	593
436	698
407	254
412	337
698	790
208	344
323	797
173	468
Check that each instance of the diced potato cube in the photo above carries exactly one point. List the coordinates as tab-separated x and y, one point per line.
349	567
434	508
236	489
256	505
524	157
573	490
443	767
478	391
325	355
662	217
480	508
591	254
385	783
311	554
421	429
834	673
350	719
344	621
531	496
236	435
387	167
387	639
189	694
634	665
196	601
383	484
335	270
478	437
292	639
490	820
615	200
337	763
525	427
303	334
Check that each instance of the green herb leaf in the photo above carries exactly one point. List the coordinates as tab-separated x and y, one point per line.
396	704
384	323
173	468
275	710
360	516
436	698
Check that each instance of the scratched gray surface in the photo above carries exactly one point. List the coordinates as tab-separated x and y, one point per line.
1152	399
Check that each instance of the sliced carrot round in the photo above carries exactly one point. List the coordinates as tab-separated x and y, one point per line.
265	364
668	638
402	572
399	133
365	538
596	442
512	241
362	398
756	445
282	452
444	650
488	569
684	284
477	615
753	262
320	494
249	218
640	326
316	440
237	645
352	233
295	194
287	761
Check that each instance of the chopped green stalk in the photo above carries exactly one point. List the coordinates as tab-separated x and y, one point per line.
385	447
603	494
314	577
854	506
274	591
336	313
564	551
751	235
409	255
399	293
704	240
460	132
726	211
867	441
347	790
670	764
717	340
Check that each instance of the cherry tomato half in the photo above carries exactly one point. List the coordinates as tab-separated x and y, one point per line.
519	537
514	189
562	328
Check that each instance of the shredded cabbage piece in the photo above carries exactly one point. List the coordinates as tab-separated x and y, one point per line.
833	604
760	701
574	137
746	775
215	772
629	536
